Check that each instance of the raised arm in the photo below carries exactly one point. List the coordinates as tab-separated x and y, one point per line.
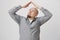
46	17
12	12
47	14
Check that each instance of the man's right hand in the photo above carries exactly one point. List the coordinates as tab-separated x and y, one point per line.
24	6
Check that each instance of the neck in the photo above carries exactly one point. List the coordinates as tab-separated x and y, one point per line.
31	18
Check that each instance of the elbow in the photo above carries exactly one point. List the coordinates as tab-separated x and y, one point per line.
12	13
50	15
9	11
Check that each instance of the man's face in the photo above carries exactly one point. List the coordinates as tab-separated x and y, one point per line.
33	12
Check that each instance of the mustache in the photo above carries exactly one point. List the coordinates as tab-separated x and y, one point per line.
28	16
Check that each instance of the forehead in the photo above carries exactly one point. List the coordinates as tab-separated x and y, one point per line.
33	9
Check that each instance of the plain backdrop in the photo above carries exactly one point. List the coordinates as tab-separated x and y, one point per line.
9	29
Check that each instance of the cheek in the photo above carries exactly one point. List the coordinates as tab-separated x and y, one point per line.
32	13
29	13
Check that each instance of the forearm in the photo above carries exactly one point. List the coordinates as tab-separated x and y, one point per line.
26	5
12	13
46	17
14	9
46	12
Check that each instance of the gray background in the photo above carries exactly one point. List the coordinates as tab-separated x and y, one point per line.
9	29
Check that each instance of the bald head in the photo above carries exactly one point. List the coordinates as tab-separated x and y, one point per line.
33	12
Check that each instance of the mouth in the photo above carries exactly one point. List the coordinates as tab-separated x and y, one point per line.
28	16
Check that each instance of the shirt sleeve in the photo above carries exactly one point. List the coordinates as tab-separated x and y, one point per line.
46	17
12	13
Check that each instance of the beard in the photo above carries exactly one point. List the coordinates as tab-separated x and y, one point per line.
28	16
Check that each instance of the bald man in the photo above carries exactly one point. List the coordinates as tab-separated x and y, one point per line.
29	27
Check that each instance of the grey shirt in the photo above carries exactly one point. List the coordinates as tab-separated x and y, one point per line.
27	30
